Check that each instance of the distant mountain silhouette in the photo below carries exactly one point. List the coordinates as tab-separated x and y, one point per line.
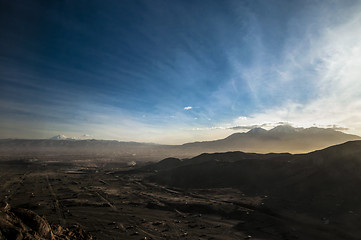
283	129
257	131
283	138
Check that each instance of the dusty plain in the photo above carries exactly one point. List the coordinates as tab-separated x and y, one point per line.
116	201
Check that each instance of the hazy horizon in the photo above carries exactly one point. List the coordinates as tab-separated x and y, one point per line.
177	72
235	130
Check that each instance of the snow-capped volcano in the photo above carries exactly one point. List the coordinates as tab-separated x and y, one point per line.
60	137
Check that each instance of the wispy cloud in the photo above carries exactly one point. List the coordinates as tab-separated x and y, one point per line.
244	65
247	127
316	82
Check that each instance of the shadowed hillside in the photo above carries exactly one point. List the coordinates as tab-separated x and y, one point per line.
322	185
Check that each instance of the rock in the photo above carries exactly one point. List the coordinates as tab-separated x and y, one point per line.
4	206
9	230
22	223
35	222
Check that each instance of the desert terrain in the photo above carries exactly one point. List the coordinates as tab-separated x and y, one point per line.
111	203
185	120
232	195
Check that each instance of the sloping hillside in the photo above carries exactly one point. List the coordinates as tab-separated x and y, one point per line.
321	185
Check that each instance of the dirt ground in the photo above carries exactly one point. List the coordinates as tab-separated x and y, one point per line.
112	202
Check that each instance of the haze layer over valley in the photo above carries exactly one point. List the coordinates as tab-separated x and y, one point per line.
194	120
232	195
283	138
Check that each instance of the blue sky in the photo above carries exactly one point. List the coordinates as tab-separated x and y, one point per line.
177	71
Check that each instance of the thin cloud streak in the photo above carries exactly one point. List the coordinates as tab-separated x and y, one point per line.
334	56
268	62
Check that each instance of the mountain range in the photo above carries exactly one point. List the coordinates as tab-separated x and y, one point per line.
283	138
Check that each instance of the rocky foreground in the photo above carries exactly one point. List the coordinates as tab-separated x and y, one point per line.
20	223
